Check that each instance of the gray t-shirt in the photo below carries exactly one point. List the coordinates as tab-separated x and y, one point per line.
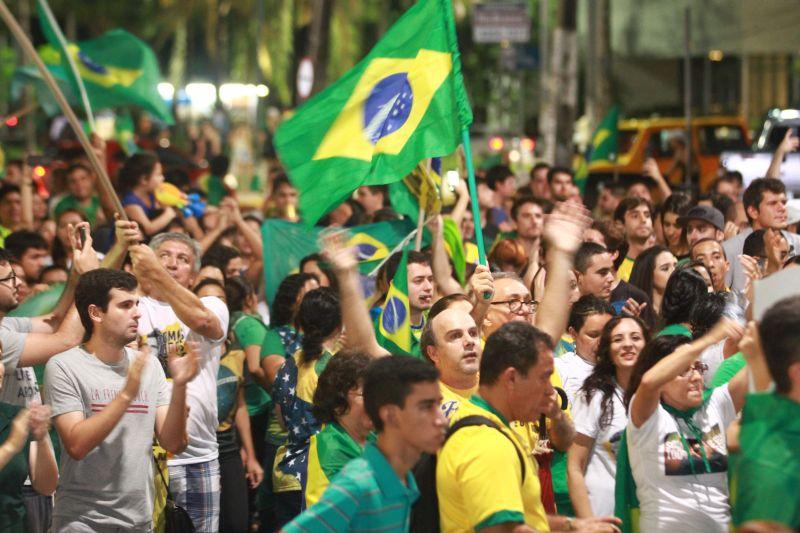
19	384
112	487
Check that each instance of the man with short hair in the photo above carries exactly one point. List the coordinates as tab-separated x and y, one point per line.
172	315
485	477
503	183
528	214
635	215
372	198
10	210
765	206
31	251
226	258
107	403
702	222
538	184
376	491
594	269
610	196
81	186
561	183
711	253
451	341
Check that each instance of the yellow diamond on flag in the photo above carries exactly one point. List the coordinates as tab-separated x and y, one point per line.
386	106
107	76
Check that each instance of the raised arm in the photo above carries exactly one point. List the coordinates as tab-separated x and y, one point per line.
648	394
563	232
442	272
358	327
81	435
150	227
186	304
41	459
788	144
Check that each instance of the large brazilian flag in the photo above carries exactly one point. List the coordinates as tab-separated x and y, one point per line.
404	102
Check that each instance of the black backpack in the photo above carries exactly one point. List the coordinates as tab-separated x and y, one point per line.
425	512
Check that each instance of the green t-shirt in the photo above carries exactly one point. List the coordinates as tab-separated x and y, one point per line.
216	190
765	473
70	202
12	477
272	344
729	368
249	330
675	329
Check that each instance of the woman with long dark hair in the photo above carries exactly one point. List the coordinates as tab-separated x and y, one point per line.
684	289
651	272
600	418
320	321
675	441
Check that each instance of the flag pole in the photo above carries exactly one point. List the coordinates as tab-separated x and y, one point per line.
27	47
473	196
421	214
63	43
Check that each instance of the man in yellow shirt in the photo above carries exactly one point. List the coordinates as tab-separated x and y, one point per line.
482	482
636	218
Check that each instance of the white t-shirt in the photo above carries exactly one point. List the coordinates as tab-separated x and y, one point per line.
19	383
161	328
713	356
601	467
573	370
671	497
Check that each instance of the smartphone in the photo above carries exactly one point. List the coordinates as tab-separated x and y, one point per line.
452	178
84	233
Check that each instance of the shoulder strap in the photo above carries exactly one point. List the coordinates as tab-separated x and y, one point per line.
478	420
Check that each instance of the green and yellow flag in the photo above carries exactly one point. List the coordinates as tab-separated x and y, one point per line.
117	69
394	324
404	102
603	148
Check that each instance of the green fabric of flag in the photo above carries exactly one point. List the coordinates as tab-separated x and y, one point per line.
455	249
40	304
117	68
286	243
603	148
394	324
404	102
765	474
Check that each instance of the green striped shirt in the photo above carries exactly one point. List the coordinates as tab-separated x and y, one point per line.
366	495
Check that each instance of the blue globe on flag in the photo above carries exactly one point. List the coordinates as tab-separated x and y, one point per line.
388	106
394	314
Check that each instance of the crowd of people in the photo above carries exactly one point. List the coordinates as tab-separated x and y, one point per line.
604	371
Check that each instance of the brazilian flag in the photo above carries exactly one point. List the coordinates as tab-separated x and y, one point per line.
394	324
404	102
603	148
117	69
286	243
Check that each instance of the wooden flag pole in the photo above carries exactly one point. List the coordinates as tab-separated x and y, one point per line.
26	45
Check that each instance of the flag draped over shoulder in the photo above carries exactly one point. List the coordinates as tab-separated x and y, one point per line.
394	324
286	243
117	69
404	102
603	148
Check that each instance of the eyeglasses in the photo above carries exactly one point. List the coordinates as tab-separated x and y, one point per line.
518	307
698	366
11	277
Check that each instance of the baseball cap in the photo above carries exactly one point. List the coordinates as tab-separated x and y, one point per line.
706	213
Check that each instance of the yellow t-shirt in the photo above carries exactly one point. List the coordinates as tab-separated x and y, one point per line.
452	397
625	268
479	479
529	431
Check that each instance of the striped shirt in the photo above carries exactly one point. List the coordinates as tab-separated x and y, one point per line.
366	495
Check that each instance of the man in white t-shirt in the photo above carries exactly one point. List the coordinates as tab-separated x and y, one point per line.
171	315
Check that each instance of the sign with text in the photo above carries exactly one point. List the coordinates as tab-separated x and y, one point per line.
499	22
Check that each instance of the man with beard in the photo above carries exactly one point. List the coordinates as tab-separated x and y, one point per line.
528	214
561	183
107	402
636	217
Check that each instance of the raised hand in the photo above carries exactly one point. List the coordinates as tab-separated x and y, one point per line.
564	227
724	329
184	369
137	366
336	251
790	142
84	258
39	420
127	231
482	284
633	308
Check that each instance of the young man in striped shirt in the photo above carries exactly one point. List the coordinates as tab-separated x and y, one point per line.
376	491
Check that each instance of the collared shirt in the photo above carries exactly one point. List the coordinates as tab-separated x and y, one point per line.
479	479
367	495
